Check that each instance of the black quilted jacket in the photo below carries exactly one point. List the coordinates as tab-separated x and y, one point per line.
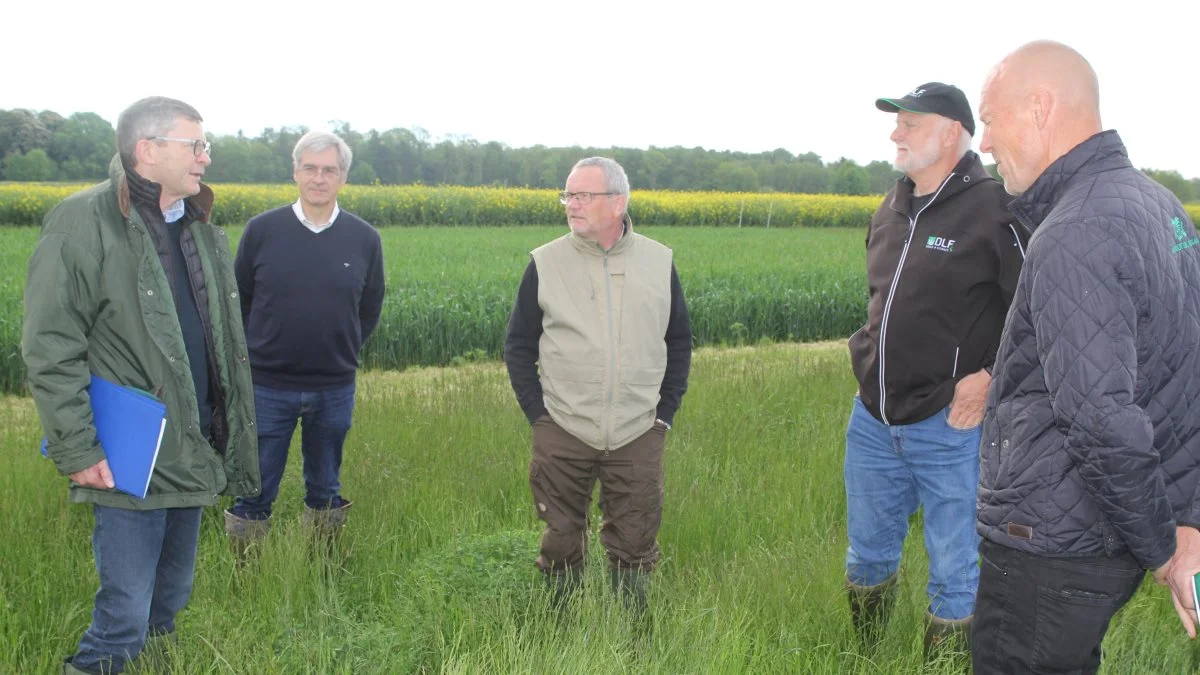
1091	441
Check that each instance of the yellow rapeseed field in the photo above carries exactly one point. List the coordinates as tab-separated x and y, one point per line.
27	203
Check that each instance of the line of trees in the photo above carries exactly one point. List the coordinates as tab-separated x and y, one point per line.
45	146
404	156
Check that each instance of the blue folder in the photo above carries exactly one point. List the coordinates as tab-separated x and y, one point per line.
129	425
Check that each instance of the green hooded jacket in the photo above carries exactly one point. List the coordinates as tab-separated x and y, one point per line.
97	300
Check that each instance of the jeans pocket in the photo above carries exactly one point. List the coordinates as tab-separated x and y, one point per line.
986	561
1069	625
959	430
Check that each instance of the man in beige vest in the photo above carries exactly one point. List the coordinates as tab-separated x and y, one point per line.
601	311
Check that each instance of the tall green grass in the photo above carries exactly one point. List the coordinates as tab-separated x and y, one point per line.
436	573
450	290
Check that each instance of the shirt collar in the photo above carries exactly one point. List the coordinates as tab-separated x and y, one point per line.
299	210
175	211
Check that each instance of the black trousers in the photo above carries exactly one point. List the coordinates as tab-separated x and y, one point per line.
1037	614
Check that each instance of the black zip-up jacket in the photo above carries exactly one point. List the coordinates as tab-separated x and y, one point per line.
940	285
1091	440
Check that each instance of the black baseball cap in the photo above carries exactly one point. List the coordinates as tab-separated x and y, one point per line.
946	100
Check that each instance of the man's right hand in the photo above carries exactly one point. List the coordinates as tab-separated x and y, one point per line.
1177	575
96	476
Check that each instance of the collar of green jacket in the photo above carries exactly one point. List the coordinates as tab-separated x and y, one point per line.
202	201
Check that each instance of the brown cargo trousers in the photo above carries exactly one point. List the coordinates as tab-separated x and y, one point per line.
563	472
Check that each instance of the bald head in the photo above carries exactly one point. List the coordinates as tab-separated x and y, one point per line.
1056	69
1041	101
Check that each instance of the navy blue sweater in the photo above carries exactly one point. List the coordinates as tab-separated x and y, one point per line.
309	300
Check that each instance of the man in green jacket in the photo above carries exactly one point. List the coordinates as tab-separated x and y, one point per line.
130	282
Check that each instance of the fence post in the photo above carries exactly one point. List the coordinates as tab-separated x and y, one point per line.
770	208
743	210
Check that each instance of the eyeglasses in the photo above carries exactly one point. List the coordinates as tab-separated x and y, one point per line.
199	146
328	172
584	198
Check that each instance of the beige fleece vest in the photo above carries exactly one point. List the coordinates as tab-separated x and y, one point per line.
602	353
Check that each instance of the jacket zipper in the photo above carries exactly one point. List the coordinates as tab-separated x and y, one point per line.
887	307
606	418
954	373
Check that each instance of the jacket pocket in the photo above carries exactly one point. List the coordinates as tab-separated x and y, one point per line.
573	386
638	388
636	401
575	393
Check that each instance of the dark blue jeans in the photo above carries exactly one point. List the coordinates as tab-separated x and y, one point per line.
146	561
325	420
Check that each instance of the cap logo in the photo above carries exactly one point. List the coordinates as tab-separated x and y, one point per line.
916	93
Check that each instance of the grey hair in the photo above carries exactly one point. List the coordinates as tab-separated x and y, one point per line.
615	179
964	141
316	141
147	118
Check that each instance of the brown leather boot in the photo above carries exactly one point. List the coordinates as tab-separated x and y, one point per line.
870	607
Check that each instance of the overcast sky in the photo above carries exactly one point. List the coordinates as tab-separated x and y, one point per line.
743	75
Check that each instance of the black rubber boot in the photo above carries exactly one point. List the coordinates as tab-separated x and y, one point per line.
870	608
630	585
564	588
156	653
68	669
948	639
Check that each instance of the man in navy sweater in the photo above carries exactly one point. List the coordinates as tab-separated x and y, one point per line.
311	279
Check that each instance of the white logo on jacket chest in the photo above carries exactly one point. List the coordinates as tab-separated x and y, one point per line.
940	244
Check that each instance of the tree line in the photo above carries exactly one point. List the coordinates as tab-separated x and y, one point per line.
45	146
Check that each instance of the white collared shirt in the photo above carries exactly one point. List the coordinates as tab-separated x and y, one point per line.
311	225
175	211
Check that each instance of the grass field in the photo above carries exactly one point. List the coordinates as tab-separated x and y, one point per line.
450	290
439	575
